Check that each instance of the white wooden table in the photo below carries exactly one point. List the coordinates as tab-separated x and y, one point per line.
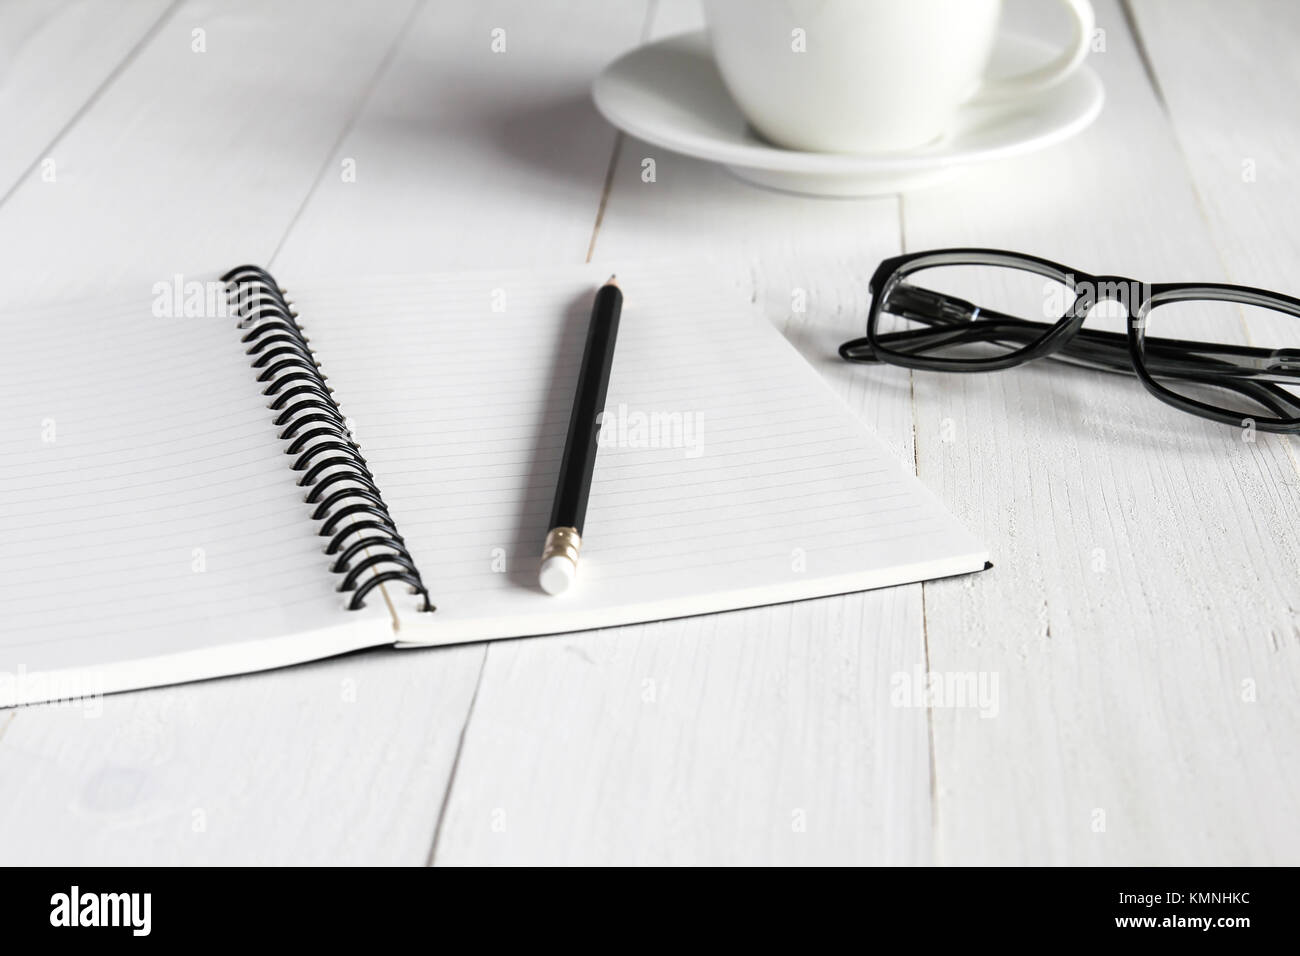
1143	617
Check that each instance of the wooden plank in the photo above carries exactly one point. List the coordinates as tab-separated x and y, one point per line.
505	169
1234	115
193	160
319	764
1141	618
54	59
755	737
187	163
466	157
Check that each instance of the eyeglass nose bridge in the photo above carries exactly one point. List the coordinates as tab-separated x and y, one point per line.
1091	291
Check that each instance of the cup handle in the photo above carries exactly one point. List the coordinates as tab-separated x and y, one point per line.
1084	20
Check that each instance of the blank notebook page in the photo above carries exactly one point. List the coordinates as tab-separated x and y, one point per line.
152	528
728	475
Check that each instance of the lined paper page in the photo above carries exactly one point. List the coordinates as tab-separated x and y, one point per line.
728	474
151	528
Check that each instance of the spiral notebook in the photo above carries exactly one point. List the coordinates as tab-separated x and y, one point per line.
196	484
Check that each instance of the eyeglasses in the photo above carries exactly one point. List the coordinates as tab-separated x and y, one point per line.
1224	352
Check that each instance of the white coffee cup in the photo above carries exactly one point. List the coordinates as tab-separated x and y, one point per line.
865	76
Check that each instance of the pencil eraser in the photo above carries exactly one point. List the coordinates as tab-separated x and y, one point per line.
557	574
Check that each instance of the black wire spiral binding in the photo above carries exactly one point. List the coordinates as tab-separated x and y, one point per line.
318	435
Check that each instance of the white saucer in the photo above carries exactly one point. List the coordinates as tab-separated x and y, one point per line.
669	93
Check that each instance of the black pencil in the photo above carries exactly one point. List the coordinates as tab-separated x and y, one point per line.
569	512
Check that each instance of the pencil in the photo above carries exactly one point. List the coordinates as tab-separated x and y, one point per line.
559	566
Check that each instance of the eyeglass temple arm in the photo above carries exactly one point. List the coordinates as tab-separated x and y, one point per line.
1105	348
954	321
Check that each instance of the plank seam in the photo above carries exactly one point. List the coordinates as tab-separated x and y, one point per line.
455	762
1144	56
604	194
607	188
925	624
389	56
925	649
651	8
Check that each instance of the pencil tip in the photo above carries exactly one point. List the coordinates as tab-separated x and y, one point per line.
612	280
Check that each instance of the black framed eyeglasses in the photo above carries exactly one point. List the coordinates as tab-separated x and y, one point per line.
1225	352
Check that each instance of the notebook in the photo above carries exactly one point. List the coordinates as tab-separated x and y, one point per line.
174	468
